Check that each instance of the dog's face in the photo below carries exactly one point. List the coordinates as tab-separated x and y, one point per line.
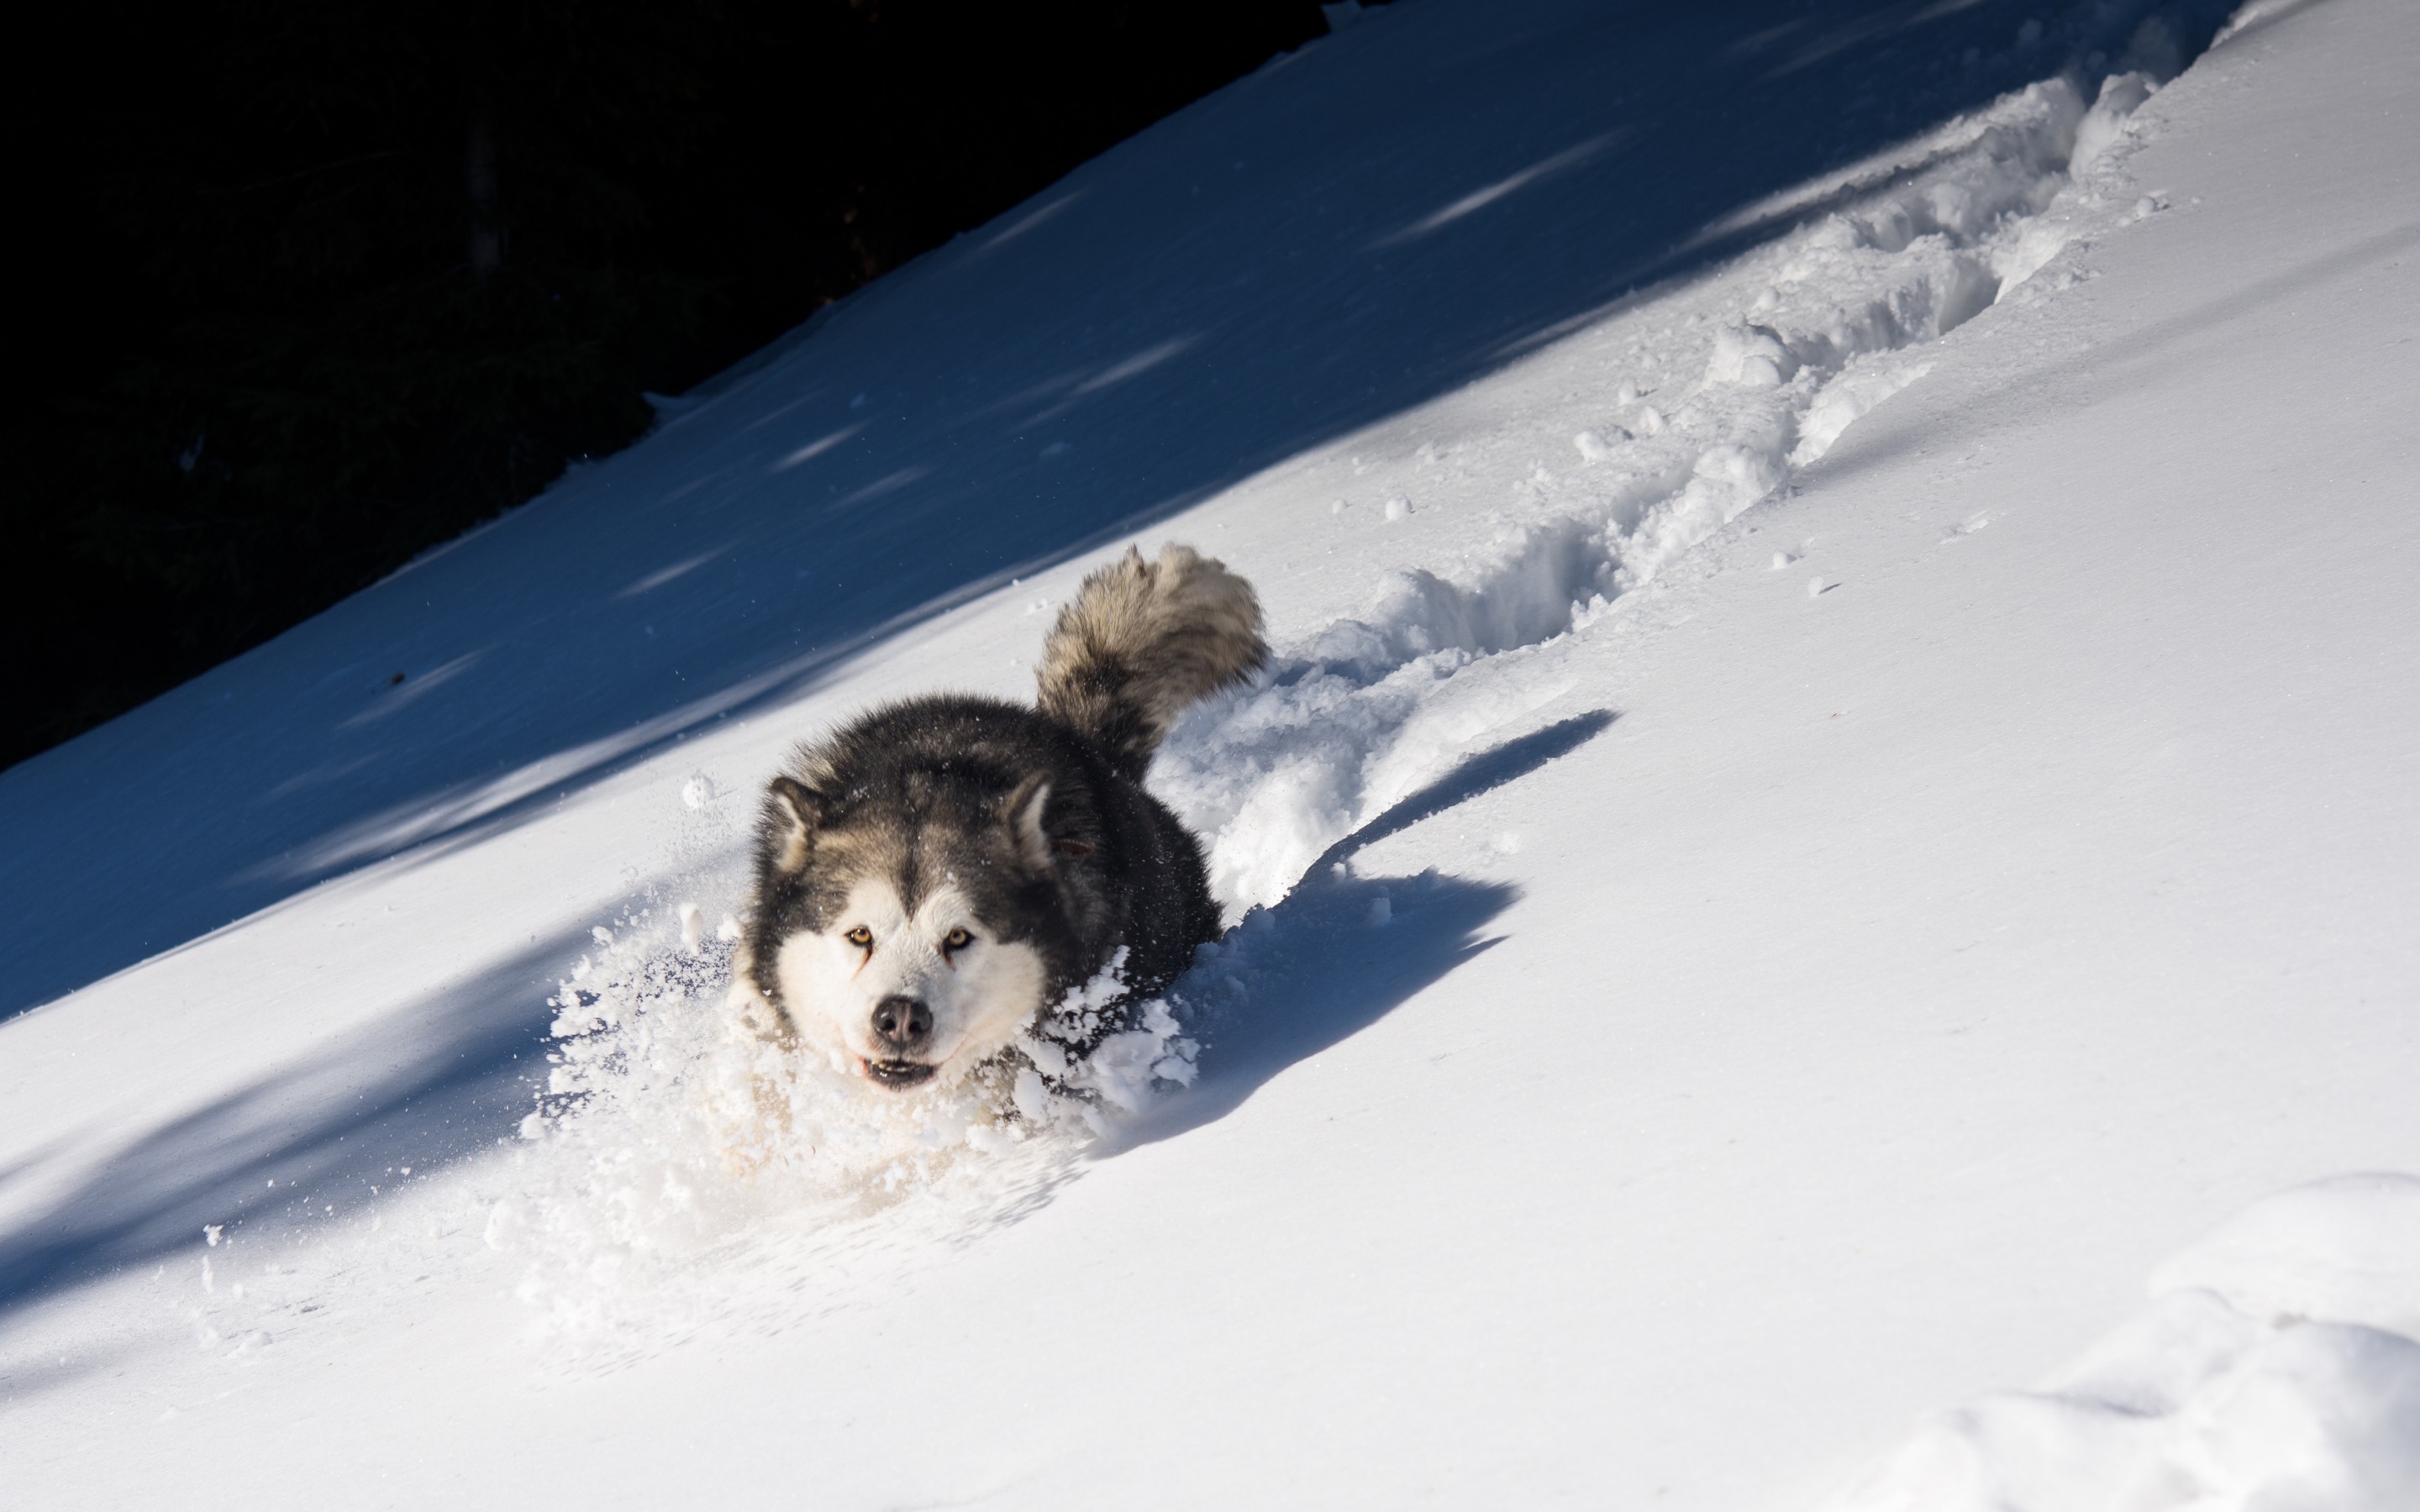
910	988
913	934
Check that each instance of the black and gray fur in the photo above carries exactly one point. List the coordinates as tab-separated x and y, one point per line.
1036	818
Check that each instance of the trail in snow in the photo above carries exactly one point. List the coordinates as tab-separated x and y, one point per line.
1750	373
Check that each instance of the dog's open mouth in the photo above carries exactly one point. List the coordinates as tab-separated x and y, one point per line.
897	1073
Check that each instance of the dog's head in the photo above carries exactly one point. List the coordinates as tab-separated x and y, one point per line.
914	925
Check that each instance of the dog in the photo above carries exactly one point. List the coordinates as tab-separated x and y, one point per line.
934	875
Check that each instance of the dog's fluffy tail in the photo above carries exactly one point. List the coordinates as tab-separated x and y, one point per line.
1144	642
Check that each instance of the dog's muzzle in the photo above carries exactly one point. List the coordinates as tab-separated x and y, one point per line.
902	1026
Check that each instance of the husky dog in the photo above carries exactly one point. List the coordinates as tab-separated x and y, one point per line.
932	877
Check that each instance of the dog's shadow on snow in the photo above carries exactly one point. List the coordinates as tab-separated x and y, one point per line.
1341	951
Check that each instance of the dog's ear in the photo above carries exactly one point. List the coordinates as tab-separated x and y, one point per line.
793	812
1021	810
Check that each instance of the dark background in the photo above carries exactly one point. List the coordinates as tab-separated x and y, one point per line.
305	286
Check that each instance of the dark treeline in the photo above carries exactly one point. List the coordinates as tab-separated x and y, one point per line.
304	286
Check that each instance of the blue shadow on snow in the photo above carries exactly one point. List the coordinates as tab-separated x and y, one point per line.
442	1079
1342	951
1354	229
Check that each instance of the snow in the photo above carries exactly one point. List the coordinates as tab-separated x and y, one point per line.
2276	1366
1825	800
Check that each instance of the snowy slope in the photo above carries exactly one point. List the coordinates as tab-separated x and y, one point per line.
1350	232
1816	821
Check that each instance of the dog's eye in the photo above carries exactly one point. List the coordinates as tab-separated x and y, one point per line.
957	939
860	937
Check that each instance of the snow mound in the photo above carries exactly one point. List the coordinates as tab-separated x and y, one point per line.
2275	1371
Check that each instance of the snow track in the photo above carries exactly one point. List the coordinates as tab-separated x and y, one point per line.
1738	378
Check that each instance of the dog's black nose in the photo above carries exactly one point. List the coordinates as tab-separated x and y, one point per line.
902	1022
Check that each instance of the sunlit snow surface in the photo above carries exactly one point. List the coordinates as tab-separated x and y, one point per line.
1783	857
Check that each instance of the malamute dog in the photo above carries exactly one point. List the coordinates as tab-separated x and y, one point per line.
932	877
